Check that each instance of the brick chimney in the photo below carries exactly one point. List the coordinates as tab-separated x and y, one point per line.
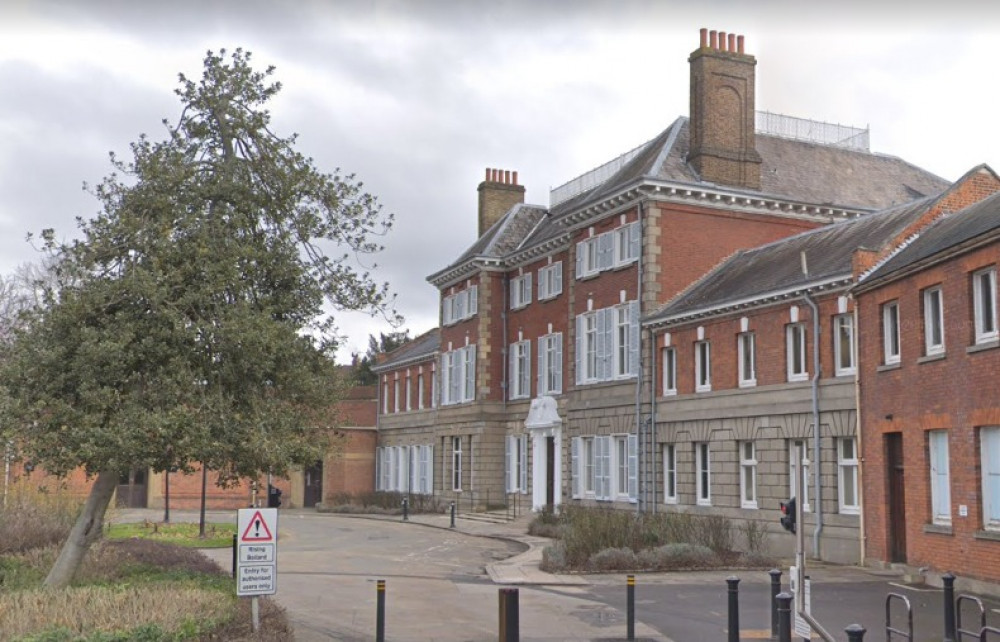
723	143
497	193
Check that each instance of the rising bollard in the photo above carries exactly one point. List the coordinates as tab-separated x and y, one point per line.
406	509
775	589
733	583
510	626
452	515
784	617
630	595
380	611
950	631
855	633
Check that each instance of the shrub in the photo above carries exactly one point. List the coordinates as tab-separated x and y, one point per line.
546	524
716	532
755	535
612	559
553	558
382	503
677	555
32	516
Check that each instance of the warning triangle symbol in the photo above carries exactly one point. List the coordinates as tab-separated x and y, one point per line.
257	530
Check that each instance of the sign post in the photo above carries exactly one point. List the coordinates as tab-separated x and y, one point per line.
257	559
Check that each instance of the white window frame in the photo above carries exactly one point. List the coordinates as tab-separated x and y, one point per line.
933	321
989	449
589	487
550	364
460	305
550	281
702	366
395	394
669	371
984	300
420	390
843	355
588	258
591	353
890	332
793	473
516	461
520	291
940	476
623	341
748	473
408	386
847	473
670	473
456	464
385	397
746	347
458	373
626	244
795	351
520	370
703	473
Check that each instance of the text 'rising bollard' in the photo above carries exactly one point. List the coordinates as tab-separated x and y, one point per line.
380	611
784	617
775	589
948	580
630	594
733	583
510	626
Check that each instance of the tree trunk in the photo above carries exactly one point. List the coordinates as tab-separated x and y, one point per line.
85	532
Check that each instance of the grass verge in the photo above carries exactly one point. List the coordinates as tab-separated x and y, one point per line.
180	534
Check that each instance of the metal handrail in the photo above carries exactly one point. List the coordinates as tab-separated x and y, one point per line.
959	631
986	630
889	630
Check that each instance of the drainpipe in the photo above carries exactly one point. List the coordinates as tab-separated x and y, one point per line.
652	409
857	437
640	491
816	436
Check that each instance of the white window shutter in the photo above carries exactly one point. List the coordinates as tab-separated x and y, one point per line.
507	457
580	343
605	343
430	469
543	285
378	468
473	300
581	249
558	363
633	335
575	482
540	367
527	289
526	375
470	375
524	464
606	251
633	240
633	467
512	373
606	467
556	279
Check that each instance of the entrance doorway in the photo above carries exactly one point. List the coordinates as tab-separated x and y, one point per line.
131	491
897	496
550	472
313	485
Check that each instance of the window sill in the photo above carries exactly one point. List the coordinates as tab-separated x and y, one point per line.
937	356
551	297
669	393
939	529
885	367
854	512
993	536
587	277
798	378
704	389
702	502
985	345
749	505
845	373
750	383
670	501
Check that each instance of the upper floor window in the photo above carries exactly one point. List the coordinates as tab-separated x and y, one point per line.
420	389
984	303
607	343
669	371
395	395
626	243
747	357
550	364
933	321
385	398
409	393
458	375
702	366
520	370
890	332
795	347
461	305
520	291
606	251
843	344
550	281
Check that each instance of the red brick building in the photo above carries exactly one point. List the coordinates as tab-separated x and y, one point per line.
930	420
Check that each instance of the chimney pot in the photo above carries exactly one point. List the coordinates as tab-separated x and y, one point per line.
739	43
714	35
487	174
515	178
722	41
732	42
493	175
704	37
506	177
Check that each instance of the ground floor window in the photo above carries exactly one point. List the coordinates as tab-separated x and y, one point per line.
989	446
748	474
405	469
847	475
703	474
937	451
516	463
456	463
605	467
793	471
670	473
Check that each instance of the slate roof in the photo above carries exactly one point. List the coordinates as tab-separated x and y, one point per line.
978	221
778	267
417	349
799	171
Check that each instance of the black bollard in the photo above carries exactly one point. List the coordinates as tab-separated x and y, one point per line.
234	554
406	509
855	633
509	616
784	617
950	631
452	515
380	611
775	589
630	594
734	608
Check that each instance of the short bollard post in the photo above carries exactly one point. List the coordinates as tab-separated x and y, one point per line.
734	608
784	617
406	509
630	592
775	589
509	616
949	607
453	515
855	633
235	548
380	611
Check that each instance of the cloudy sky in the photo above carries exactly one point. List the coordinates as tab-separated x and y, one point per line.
418	98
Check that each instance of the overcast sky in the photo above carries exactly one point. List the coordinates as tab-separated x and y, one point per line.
418	98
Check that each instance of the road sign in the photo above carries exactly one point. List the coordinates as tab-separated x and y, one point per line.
257	562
